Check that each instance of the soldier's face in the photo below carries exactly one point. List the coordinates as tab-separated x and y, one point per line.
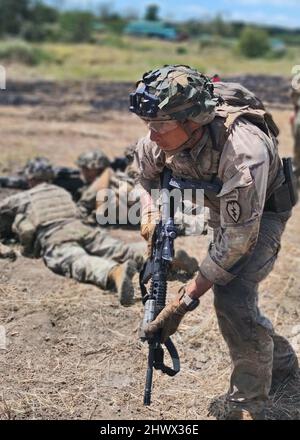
171	137
90	174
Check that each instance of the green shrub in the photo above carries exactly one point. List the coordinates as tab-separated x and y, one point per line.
41	32
181	50
114	40
18	51
254	43
76	26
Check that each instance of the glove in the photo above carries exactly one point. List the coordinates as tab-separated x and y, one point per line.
147	232
149	217
168	319
148	225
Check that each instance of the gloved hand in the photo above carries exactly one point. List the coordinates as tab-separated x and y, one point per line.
149	217
168	319
147	232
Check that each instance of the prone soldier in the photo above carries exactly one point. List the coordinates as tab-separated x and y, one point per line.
67	178
45	220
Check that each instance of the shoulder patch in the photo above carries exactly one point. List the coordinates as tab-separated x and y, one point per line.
234	210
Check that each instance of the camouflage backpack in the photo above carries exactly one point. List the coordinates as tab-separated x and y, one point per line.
236	101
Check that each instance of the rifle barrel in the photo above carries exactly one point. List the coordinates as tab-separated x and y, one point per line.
149	377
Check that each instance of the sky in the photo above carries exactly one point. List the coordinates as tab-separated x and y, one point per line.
272	12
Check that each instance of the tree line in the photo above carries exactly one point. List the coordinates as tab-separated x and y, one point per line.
34	20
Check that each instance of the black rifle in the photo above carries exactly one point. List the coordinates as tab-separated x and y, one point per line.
14	182
119	164
156	269
67	178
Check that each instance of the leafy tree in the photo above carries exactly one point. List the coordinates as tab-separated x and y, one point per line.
113	21
152	13
254	42
42	20
12	15
41	13
105	11
76	26
221	27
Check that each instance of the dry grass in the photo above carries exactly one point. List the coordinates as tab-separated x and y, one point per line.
73	353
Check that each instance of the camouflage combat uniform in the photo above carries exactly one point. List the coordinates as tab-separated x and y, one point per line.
239	148
296	131
44	219
117	185
123	194
95	160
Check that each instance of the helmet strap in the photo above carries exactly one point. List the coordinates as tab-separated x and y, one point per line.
187	128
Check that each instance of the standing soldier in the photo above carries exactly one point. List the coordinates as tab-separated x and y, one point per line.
221	133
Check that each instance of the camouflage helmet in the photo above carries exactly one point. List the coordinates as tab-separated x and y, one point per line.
174	92
93	160
39	168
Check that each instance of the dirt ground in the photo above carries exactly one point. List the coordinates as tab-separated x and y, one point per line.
72	352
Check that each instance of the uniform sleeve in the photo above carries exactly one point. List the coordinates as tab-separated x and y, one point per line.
8	211
91	197
149	163
25	231
244	168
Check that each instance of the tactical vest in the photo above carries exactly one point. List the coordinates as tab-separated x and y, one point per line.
49	204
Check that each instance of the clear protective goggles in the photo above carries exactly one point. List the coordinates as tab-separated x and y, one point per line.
162	127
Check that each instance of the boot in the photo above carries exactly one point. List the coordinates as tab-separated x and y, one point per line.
121	278
244	414
6	252
253	411
282	379
183	261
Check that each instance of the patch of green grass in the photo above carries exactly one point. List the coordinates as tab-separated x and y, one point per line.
21	52
117	58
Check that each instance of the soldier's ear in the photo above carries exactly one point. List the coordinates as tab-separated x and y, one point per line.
189	126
